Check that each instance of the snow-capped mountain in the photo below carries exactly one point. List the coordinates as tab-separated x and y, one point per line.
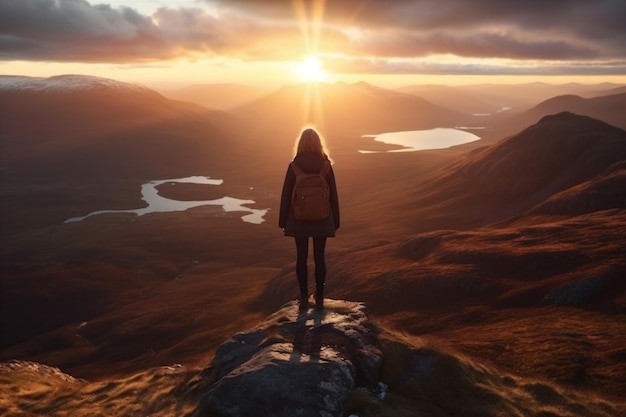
66	83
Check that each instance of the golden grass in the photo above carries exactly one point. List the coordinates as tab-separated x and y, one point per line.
31	389
425	379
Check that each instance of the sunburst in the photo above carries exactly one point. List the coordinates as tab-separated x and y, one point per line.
310	14
311	69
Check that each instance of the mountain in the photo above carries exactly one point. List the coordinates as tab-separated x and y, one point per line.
344	108
460	99
82	141
602	192
65	125
508	178
607	108
607	91
491	98
217	96
427	191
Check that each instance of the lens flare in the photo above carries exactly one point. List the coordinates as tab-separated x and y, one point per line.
311	69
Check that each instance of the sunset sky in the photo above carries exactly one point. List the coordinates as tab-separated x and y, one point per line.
267	42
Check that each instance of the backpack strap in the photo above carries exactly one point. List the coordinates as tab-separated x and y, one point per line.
325	169
296	168
323	172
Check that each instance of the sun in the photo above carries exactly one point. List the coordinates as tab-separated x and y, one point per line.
311	70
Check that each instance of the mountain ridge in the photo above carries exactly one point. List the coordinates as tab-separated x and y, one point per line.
67	83
341	108
517	173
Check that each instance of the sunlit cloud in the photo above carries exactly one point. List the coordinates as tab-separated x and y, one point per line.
374	36
453	65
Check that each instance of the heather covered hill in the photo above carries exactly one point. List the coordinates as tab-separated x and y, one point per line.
506	179
600	193
542	297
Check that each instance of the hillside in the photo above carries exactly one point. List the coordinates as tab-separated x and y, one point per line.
536	269
86	142
104	127
308	363
607	108
495	182
217	96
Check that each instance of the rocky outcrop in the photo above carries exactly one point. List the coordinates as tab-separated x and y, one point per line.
298	362
336	363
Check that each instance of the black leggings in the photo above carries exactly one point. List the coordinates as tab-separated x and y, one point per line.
302	248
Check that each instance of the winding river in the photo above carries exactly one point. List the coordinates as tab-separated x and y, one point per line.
159	204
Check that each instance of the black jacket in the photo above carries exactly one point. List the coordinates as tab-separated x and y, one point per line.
308	162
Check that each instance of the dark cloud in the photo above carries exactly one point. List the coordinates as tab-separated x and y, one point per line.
75	30
384	66
473	44
575	24
556	30
69	30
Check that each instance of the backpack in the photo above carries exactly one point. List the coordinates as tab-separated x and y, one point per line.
311	197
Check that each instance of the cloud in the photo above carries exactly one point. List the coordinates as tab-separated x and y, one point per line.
69	30
75	30
583	25
578	32
476	67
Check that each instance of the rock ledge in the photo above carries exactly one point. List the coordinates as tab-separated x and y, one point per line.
295	363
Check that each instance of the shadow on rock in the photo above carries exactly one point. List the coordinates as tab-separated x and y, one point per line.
296	363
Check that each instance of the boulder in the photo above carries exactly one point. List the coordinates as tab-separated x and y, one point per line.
298	362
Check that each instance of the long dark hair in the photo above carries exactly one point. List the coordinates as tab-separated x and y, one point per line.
310	142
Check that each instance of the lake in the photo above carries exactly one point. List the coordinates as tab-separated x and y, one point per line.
419	140
159	204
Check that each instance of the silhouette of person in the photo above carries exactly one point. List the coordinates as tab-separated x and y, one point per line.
310	156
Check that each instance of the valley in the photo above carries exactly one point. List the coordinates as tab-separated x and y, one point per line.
508	250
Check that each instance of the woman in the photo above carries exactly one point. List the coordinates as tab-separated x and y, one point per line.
311	157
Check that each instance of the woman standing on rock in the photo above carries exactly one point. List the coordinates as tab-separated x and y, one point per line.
309	207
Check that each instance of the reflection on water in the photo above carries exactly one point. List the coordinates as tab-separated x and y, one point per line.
418	140
160	204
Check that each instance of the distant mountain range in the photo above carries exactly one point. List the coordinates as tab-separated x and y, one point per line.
104	126
490	98
87	127
217	96
608	108
346	108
